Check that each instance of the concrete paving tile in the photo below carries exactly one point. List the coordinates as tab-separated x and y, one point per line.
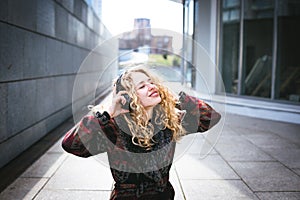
287	130
82	174
279	195
297	171
248	125
176	184
270	140
211	167
45	166
47	194
23	188
233	120
245	131
270	137
56	148
260	124
232	139
194	144
216	190
228	131
241	150
291	133
267	176
289	156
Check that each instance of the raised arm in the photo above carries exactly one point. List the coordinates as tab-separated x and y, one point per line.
90	136
199	115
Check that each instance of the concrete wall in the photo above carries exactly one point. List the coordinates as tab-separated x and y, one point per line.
42	45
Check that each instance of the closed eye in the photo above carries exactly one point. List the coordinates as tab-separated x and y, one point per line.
143	83
141	86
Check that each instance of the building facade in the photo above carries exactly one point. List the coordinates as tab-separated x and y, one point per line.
254	45
141	36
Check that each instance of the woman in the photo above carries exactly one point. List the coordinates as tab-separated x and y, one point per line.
139	133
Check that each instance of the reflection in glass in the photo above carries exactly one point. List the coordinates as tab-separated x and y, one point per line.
230	44
257	49
288	62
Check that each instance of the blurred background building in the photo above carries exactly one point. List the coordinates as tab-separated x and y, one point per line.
141	36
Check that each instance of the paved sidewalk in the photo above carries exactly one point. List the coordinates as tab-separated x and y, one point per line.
253	159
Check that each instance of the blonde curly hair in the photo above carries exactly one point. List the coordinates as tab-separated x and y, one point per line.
165	115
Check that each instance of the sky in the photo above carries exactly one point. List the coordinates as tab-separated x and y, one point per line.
118	15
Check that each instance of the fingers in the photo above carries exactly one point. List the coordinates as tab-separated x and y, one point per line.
117	96
118	101
122	92
114	91
123	100
123	111
120	98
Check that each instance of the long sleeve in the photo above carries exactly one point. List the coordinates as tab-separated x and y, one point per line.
90	136
199	115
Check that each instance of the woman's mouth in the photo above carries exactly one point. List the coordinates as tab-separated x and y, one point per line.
153	94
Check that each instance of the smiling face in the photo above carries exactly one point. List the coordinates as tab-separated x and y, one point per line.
146	90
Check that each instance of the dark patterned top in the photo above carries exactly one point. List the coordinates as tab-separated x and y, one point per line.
139	173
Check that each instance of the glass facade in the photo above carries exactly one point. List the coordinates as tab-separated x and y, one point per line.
188	32
259	47
288	52
230	17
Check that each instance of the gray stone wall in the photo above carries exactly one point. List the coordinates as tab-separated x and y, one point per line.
42	45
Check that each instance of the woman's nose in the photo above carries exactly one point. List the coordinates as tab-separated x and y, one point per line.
150	86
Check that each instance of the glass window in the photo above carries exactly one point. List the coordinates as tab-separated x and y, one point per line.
257	48
230	3
288	62
230	44
187	68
